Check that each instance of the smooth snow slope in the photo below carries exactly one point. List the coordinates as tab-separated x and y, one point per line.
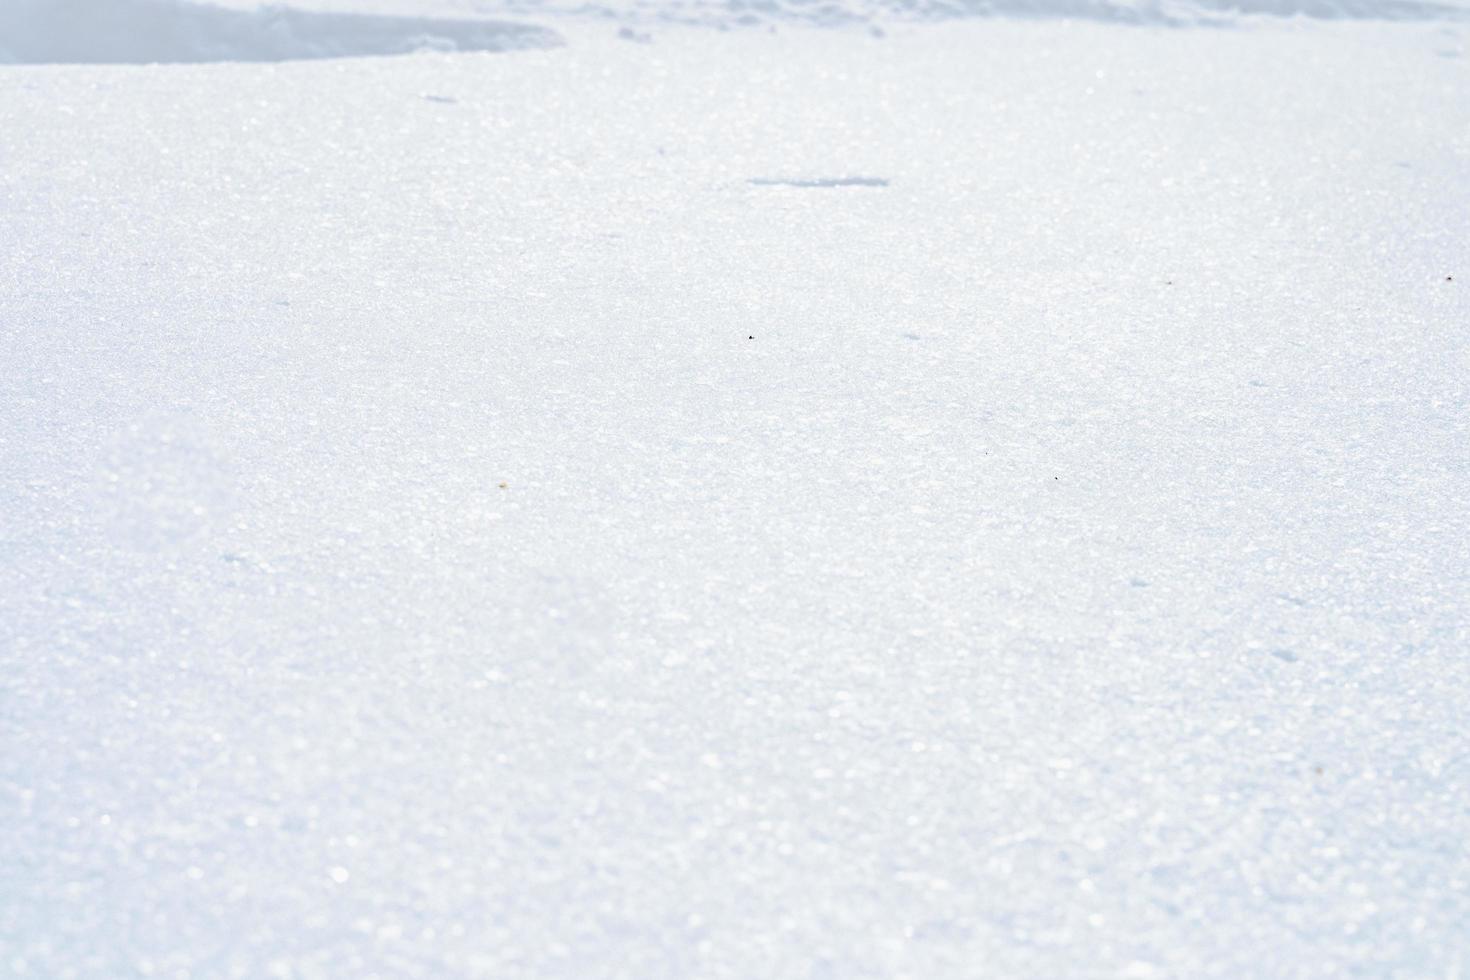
984	501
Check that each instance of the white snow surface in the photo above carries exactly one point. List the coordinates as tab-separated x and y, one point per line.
980	498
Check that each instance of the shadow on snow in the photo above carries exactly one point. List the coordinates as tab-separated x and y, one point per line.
151	31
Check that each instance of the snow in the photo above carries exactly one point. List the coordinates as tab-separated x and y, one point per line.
981	496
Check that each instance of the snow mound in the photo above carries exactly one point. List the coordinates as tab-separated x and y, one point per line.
149	31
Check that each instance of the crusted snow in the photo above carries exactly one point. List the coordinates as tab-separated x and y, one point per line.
987	499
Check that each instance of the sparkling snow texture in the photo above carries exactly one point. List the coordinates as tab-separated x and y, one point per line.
987	500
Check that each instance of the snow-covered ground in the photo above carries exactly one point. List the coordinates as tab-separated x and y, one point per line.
927	496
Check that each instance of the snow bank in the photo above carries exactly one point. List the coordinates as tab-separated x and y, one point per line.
146	31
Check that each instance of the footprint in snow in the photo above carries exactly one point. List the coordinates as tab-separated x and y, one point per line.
819	182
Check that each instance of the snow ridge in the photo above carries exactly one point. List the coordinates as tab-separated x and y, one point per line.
726	14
